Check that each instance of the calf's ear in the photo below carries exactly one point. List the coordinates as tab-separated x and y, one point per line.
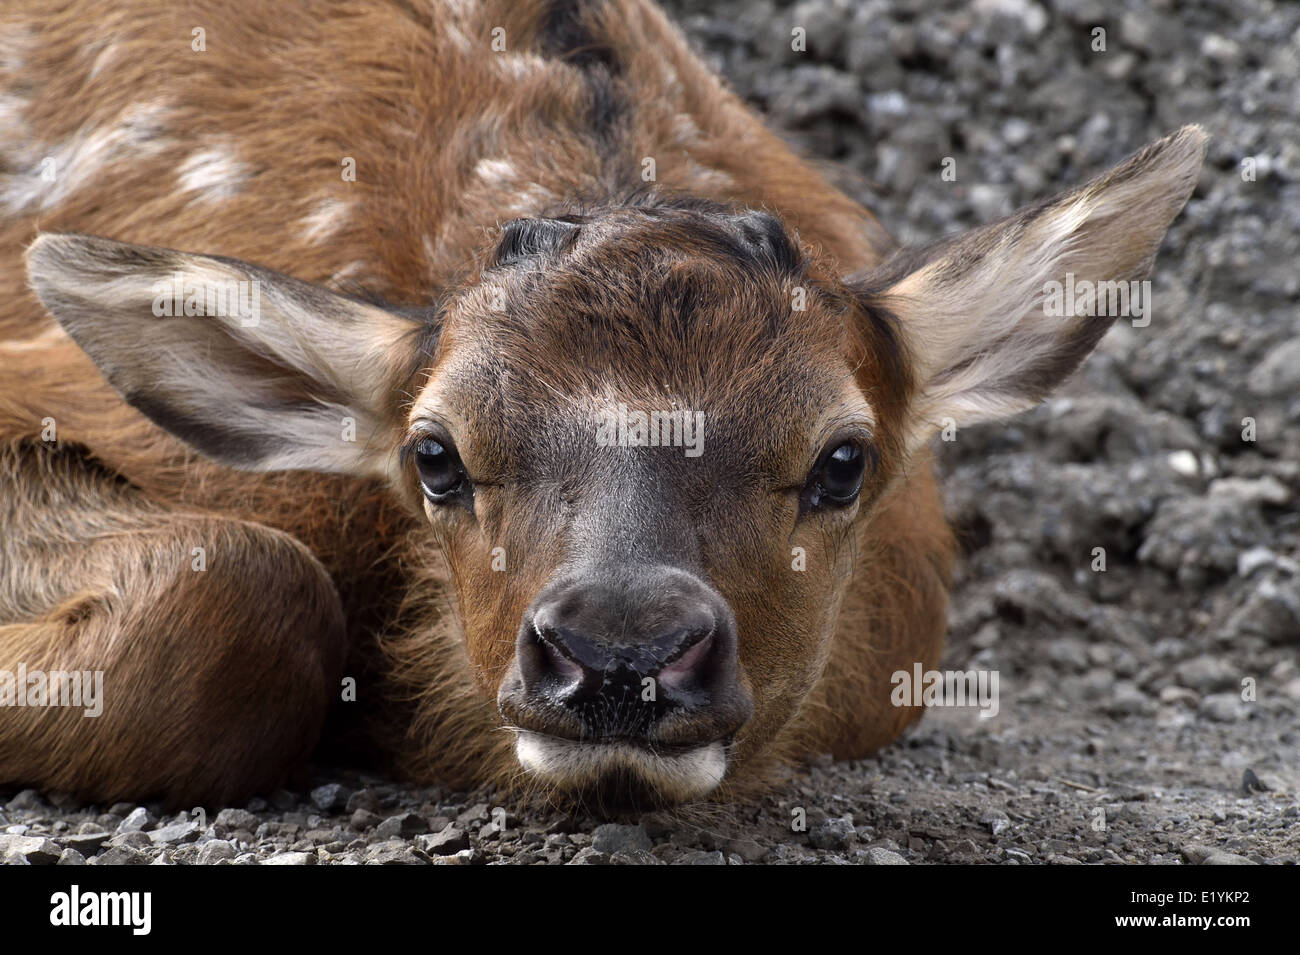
994	319
254	369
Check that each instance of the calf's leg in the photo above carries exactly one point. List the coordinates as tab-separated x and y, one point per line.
220	642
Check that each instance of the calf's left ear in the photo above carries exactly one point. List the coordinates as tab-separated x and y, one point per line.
994	319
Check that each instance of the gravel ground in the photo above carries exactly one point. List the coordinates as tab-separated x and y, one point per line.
1122	736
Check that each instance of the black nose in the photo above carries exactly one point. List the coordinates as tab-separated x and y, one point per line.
623	650
581	661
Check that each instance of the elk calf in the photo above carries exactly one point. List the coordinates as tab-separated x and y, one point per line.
414	499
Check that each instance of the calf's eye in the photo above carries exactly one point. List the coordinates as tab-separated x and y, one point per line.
838	477
441	473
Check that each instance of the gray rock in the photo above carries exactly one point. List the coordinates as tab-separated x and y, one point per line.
749	850
589	856
26	800
635	857
132	840
1180	695
475	813
236	819
214	851
1040	596
702	858
879	856
291	858
835	834
404	825
1260	490
119	855
1251	783
447	842
85	842
1070	652
1223	707
28	850
136	820
175	833
1278	373
331	797
614	837
1272	611
997	821
71	857
1098	683
1209	855
464	857
392	853
1128	700
363	799
1193	536
1249	561
1205	674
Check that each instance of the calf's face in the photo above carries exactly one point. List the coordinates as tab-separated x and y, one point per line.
648	439
646	442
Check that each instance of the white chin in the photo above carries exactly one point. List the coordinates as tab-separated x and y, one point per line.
680	776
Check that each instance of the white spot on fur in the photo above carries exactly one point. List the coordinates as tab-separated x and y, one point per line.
706	179
37	342
686	132
13	128
102	59
519	66
348	272
15	40
213	173
458	38
496	172
530	202
81	158
327	218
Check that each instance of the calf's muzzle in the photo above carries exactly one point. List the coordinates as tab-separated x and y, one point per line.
642	654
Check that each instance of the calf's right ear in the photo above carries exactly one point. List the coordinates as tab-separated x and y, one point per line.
254	369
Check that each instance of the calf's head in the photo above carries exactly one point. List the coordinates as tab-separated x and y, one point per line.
649	439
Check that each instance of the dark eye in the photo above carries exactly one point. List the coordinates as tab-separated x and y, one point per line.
441	474
838	477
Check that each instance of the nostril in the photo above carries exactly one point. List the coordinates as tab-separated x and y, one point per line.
686	667
554	658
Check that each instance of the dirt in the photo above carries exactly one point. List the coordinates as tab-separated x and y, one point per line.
1148	711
